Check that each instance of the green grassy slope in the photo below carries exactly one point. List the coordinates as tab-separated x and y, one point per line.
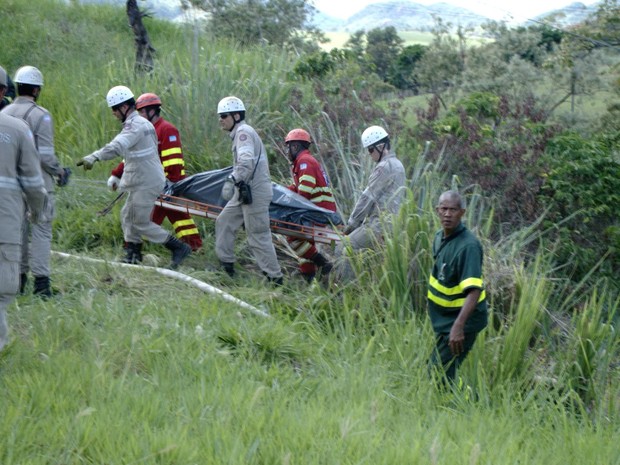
127	366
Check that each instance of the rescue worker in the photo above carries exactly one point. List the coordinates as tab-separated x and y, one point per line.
171	156
21	185
310	181
381	198
9	95
248	192
456	297
143	178
37	238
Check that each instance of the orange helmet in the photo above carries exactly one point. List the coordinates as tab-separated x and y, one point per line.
298	135
147	100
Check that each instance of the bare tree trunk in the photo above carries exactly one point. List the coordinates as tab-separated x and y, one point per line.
144	49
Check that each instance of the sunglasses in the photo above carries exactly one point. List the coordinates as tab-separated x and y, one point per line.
371	149
224	115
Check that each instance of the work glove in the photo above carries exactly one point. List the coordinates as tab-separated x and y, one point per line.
228	189
88	161
113	182
62	178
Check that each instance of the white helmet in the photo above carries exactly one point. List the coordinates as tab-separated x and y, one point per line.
29	75
117	95
230	105
372	135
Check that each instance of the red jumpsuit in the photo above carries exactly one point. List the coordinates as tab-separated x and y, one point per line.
171	157
310	181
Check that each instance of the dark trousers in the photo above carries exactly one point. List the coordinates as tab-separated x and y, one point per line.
442	355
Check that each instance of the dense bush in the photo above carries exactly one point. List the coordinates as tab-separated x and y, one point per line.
497	144
582	192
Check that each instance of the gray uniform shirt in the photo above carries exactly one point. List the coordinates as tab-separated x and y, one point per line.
20	178
137	144
384	192
248	150
42	126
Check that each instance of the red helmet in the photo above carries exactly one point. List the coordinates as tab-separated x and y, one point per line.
298	135
147	100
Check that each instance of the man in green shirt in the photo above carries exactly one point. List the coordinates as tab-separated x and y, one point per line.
456	297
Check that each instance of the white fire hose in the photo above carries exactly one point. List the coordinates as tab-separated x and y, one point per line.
176	275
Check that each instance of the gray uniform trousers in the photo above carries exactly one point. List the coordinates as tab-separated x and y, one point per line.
37	241
9	284
255	217
136	217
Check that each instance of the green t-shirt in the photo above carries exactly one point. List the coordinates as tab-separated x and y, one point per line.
457	268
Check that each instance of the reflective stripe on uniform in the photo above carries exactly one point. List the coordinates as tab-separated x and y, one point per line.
9	183
171	151
140	153
458	303
173	161
470	282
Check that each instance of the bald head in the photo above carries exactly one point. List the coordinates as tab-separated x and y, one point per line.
452	197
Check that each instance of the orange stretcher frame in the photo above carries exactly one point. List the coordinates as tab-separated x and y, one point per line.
318	233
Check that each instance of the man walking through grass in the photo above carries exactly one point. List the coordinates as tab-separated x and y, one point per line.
20	184
380	200
311	182
37	238
171	155
456	298
143	178
248	193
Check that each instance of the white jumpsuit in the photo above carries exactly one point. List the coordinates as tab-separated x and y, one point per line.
248	153
143	178
21	184
373	211
37	238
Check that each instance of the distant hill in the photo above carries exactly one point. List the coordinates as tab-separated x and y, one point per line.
407	15
574	13
404	15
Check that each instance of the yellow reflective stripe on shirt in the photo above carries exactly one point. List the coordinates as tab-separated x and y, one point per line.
187	232
307	189
323	198
458	303
307	178
469	282
174	161
171	151
181	223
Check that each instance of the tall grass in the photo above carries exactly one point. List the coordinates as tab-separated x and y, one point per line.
128	367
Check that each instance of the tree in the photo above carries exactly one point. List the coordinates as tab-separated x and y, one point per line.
383	45
252	22
403	75
144	49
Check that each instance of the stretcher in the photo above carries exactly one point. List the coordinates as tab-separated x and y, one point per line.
317	233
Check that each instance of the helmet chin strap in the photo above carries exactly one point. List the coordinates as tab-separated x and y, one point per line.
123	114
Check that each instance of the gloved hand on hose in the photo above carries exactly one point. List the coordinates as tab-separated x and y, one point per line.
88	161
228	190
113	182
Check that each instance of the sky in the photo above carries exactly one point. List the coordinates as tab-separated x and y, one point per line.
507	10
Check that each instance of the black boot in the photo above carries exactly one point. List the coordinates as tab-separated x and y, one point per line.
23	280
229	268
276	281
322	262
180	250
133	253
42	287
